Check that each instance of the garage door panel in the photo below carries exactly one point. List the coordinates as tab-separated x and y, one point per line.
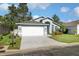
32	31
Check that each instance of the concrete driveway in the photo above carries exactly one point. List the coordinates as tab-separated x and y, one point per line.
36	42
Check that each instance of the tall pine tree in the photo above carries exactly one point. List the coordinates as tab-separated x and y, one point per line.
12	12
23	13
55	18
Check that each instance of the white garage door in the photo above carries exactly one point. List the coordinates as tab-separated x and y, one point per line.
33	31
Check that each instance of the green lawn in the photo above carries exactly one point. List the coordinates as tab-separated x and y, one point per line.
7	40
17	45
67	38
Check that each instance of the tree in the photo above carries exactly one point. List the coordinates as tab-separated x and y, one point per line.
29	16
1	18
63	28
12	12
18	14
55	18
23	13
61	24
11	18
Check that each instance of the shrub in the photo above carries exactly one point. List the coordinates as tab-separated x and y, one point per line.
5	33
1	37
57	33
66	31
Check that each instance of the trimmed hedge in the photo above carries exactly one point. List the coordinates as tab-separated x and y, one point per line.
57	33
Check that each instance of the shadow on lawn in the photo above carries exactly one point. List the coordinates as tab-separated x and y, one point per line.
65	51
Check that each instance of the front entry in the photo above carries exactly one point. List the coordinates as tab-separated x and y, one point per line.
48	27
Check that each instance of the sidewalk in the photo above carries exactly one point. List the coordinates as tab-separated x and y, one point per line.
15	51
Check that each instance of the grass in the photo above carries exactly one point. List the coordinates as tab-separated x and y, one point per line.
17	45
7	40
66	38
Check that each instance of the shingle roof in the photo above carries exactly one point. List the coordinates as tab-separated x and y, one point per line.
31	23
39	18
43	18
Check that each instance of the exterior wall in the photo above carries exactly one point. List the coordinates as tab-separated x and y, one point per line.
50	26
78	29
72	29
19	30
38	20
54	27
57	28
45	31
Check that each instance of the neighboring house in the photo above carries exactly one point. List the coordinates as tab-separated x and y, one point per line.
73	27
37	27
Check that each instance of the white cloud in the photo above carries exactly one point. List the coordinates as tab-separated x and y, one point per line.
76	11
68	20
39	5
35	16
64	9
4	6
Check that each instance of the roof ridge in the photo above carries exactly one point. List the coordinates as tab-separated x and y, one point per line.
39	17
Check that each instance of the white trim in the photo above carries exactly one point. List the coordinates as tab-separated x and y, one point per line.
77	28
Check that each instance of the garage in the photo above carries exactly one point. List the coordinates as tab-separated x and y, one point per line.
33	31
25	29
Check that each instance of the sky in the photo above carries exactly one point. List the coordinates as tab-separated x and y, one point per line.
67	12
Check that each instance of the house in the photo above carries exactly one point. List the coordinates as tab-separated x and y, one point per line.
32	29
73	27
52	27
37	27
